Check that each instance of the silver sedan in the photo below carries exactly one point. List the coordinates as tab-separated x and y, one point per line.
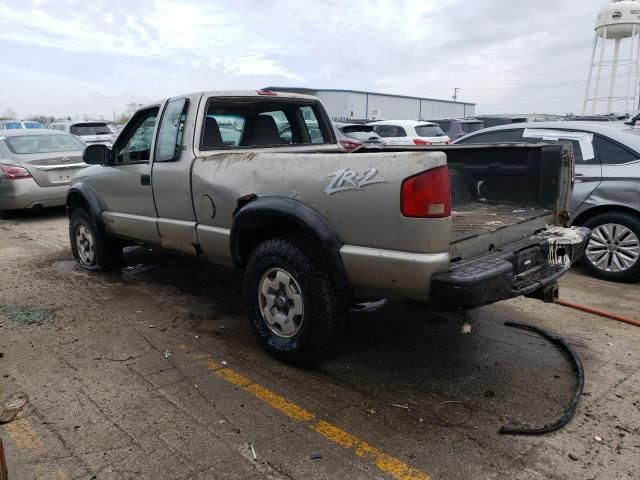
36	167
606	195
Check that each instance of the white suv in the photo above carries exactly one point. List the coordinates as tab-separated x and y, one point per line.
410	132
89	132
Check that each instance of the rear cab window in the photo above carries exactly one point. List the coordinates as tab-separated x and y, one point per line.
262	122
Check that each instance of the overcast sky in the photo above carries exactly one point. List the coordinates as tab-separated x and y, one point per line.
68	57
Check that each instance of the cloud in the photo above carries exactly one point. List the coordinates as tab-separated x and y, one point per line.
158	48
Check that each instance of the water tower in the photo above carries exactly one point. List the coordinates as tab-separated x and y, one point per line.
616	45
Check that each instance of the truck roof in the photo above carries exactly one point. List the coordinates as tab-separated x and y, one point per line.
244	93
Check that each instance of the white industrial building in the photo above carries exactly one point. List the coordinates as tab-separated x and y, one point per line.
354	104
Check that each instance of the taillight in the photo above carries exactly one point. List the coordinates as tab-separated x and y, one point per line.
427	194
422	143
350	145
14	173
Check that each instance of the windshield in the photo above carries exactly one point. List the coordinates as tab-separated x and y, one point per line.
27	144
429	131
12	125
90	129
33	125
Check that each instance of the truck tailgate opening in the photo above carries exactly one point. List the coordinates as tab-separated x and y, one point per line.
503	193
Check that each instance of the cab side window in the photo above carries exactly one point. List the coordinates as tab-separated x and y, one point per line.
611	153
134	144
169	142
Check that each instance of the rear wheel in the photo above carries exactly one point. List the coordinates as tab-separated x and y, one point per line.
92	250
613	252
294	305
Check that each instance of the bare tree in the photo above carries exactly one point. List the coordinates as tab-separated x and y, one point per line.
9	114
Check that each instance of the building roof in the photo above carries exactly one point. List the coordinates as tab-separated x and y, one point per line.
311	91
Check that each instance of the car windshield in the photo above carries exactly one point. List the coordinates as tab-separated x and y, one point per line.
27	144
12	125
90	129
429	131
33	125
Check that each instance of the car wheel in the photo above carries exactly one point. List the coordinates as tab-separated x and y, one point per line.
5	214
293	302
92	250
613	252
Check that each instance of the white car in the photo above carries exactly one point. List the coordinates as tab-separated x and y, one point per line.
90	132
410	132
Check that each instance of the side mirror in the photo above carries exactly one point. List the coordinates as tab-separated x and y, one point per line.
96	155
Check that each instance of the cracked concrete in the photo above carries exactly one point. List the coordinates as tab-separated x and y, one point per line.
105	403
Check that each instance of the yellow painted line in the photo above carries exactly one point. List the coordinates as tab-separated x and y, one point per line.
274	400
23	435
397	469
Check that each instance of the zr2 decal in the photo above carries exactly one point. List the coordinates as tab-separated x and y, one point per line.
347	179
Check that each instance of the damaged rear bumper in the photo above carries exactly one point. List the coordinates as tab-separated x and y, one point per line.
529	267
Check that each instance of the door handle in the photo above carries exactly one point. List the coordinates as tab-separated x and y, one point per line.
145	180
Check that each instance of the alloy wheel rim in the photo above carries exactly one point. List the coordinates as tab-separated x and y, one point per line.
613	248
85	245
281	303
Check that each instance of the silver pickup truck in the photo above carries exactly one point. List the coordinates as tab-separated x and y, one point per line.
256	180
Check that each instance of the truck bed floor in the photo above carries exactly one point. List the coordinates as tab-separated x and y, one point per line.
473	219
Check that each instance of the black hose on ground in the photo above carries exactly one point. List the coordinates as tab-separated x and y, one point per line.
579	371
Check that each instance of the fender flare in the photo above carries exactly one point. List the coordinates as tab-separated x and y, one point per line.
262	212
91	199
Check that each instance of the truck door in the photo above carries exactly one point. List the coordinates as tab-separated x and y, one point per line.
171	175
588	166
125	185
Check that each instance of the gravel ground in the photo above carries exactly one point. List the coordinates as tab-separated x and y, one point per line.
152	372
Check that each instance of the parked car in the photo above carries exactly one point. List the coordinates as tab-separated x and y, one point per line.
19	124
456	128
496	120
36	167
355	136
410	132
312	228
606	196
89	132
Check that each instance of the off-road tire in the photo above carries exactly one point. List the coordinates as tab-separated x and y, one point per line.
325	311
107	251
632	222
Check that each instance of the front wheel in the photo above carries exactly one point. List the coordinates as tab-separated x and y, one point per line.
293	302
613	252
91	249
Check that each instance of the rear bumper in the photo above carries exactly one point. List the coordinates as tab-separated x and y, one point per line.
26	193
521	268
